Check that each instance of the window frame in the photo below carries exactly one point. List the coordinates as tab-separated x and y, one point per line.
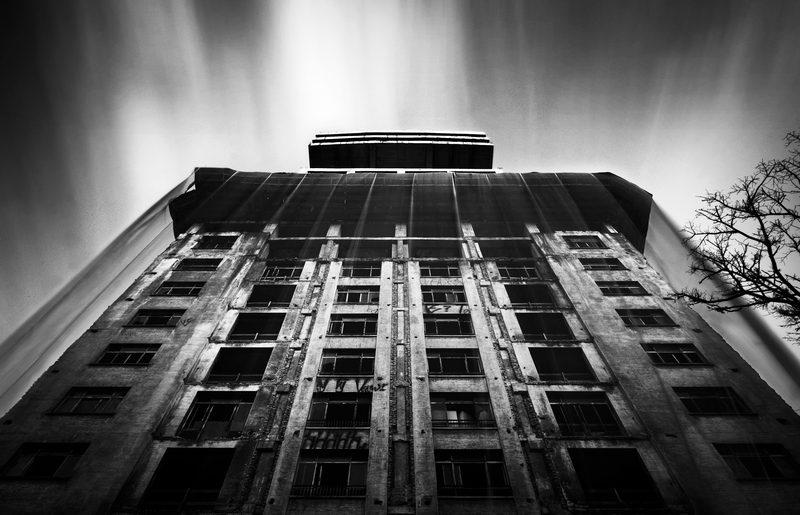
526	270
590	264
474	404
295	267
216	242
271	303
237	419
338	321
621	288
465	327
143	317
354	294
257	336
584	242
335	355
373	268
475	358
759	454
612	498
449	467
148	350
200	264
226	353
179	289
318	460
452	294
584	414
725	395
677	349
361	414
450	268
28	454
640	317
107	399
544	321
587	376
526	288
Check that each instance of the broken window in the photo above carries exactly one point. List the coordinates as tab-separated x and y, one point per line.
361	269
561	364
544	326
517	270
454	362
620	288
128	354
340	410
674	354
271	296
448	325
645	317
443	295
357	294
439	269
421	249
217	415
216	242
239	365
179	289
331	473
584	242
91	401
759	460
529	295
188	479
283	270
347	362
614	478
198	265
157	317
44	460
712	400
584	414
257	326
471	473
601	264
461	410
353	325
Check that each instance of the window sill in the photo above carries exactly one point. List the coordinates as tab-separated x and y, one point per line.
101	415
650	326
670	365
471	335
329	335
150	326
456	376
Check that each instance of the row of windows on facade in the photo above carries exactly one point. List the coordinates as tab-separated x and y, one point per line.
508	270
534	326
192	479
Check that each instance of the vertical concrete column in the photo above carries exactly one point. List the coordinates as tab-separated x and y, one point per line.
424	462
513	453
280	489
377	487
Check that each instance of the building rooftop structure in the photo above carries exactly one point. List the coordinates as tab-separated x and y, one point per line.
373	335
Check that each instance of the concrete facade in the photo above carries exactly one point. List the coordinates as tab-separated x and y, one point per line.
446	340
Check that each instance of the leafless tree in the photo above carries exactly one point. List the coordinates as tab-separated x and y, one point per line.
747	242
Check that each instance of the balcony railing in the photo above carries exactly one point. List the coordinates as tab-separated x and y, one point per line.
338	423
464	423
329	491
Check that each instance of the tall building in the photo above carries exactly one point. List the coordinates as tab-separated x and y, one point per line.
401	329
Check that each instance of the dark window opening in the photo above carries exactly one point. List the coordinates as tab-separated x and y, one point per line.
645	317
499	229
454	362
584	414
44	460
361	269
91	401
517	270
601	264
331	473
271	296
471	473
584	242
295	230
198	265
448	325
284	270
239	365
288	249
422	249
443	295
340	410
358	294
674	354
561	364
620	288
217	415
188	479
353	325
461	410
759	461
257	326
505	248
216	242
157	317
179	289
347	362
368	230
128	354
446	228
614	478
360	249
234	226
529	295
544	326
439	269
712	400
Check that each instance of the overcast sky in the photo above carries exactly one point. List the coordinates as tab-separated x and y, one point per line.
107	105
